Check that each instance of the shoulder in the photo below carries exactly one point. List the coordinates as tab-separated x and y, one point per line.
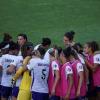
79	67
97	58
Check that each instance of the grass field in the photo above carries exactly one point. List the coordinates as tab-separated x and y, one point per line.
52	18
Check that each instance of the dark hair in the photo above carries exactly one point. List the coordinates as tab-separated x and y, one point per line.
4	47
69	51
46	41
93	45
52	50
23	35
78	47
26	47
7	37
13	46
59	49
3	44
70	35
41	50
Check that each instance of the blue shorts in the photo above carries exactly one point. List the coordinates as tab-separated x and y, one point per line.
40	96
6	91
15	91
0	92
81	98
97	89
54	98
91	91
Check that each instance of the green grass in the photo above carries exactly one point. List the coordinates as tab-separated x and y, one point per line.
52	18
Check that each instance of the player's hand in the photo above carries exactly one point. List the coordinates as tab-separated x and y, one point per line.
67	97
13	82
78	94
53	92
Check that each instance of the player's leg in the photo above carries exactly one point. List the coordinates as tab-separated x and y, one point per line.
15	91
5	92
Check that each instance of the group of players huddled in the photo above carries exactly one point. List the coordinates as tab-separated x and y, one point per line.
45	72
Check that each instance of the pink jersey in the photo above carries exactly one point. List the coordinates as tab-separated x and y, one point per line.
54	66
65	81
90	59
96	74
77	67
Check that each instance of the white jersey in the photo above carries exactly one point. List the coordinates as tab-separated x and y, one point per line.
37	46
80	67
6	60
40	71
47	56
20	62
55	67
97	59
68	71
81	59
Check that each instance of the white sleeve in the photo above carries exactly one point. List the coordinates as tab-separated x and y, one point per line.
31	64
47	56
55	66
68	70
79	67
97	59
81	59
37	46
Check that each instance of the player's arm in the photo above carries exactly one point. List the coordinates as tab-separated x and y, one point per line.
0	68
89	65
22	68
96	62
80	71
69	75
11	69
55	67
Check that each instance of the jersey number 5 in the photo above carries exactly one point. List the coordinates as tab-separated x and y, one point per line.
43	74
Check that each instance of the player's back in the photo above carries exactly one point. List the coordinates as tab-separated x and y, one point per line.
6	60
40	75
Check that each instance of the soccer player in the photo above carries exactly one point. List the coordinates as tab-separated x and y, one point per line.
24	89
3	50
93	64
46	42
7	65
22	41
67	76
68	38
15	89
54	74
79	75
40	70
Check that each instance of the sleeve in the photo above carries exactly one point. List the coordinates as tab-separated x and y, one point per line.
79	67
68	70
31	64
47	56
97	59
37	46
55	66
18	73
81	59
